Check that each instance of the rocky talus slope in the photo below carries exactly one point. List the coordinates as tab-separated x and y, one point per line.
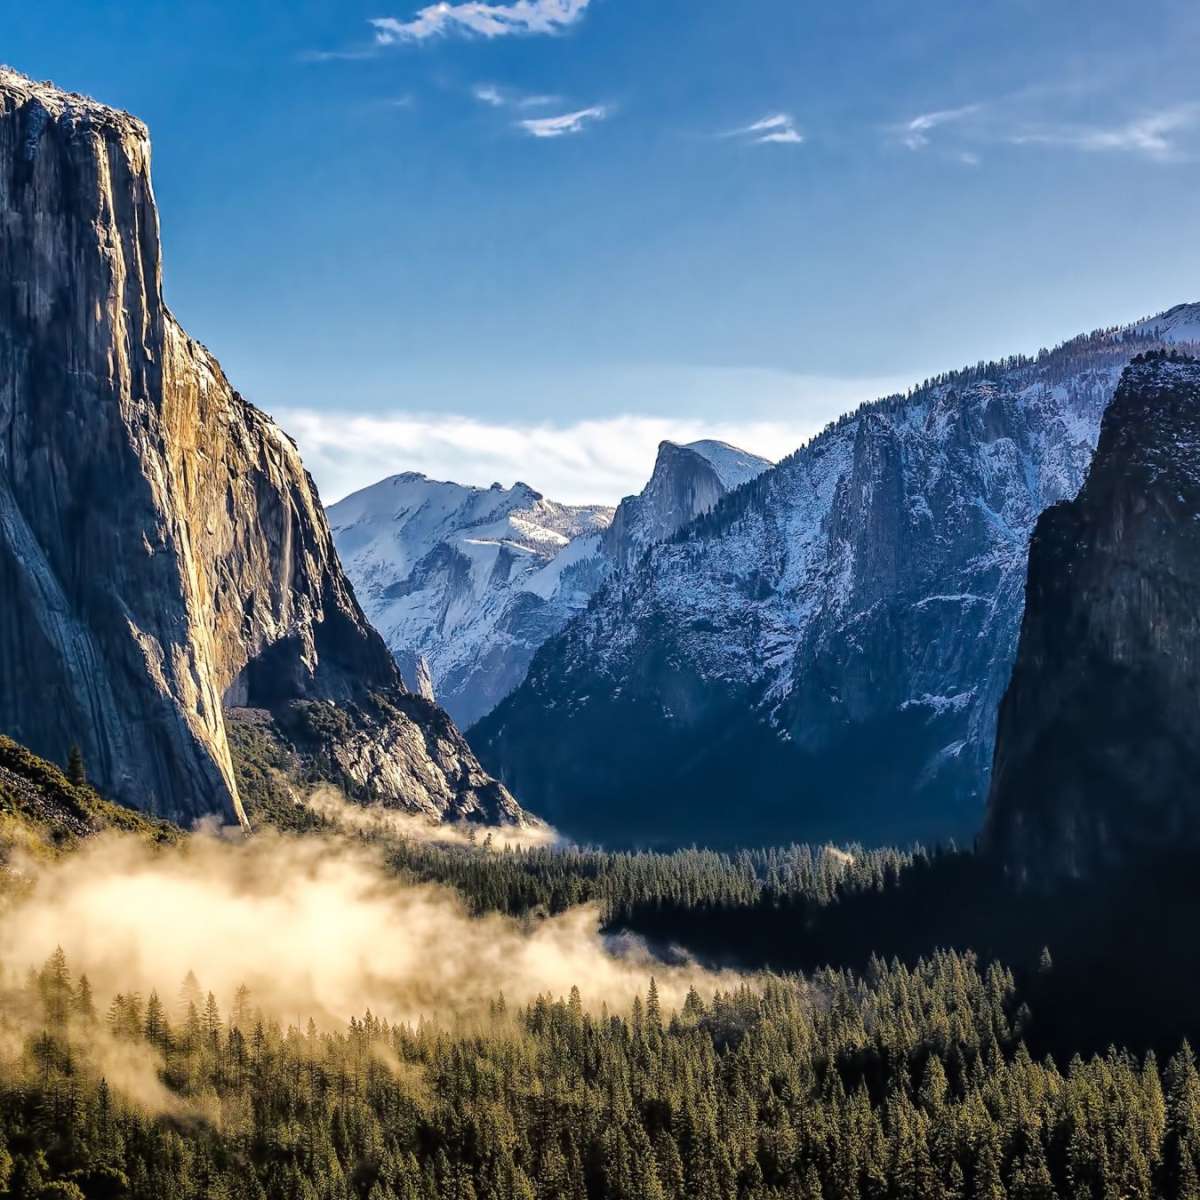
163	552
1098	743
822	655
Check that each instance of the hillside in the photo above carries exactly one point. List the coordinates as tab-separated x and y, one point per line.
466	583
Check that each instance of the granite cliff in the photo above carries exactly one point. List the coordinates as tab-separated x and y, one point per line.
1097	746
163	553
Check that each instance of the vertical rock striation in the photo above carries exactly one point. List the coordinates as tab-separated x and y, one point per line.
162	549
1098	740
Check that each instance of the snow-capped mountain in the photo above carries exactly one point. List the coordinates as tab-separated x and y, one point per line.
466	583
687	481
823	654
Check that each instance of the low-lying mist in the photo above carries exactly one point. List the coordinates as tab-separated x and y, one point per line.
314	926
375	820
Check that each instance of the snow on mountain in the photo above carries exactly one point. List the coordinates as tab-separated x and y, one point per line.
687	482
822	655
471	581
465	583
1176	327
733	466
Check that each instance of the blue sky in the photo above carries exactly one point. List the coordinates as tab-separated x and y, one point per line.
748	216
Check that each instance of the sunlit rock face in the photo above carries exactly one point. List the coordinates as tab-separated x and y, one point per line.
162	549
1098	745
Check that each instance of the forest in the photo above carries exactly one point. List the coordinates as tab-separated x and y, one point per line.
921	1075
901	1082
805	1022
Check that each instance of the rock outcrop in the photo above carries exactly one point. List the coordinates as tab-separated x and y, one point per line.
162	550
822	655
687	482
1098	741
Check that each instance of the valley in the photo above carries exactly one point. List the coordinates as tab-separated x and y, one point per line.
817	825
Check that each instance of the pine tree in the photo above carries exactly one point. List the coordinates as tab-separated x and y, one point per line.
76	772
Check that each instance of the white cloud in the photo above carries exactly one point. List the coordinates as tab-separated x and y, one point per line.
1153	135
1018	120
499	97
596	460
485	20
487	93
777	128
915	132
573	122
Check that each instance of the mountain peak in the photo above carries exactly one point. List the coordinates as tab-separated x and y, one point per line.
734	465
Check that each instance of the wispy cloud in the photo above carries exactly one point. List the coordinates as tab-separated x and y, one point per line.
777	128
502	97
1020	119
480	19
564	123
1154	135
354	54
914	133
487	93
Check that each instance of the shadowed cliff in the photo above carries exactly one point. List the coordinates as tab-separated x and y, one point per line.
1097	752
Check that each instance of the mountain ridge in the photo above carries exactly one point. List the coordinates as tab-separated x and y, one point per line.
842	625
471	581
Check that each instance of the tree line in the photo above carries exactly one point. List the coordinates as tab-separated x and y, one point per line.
902	1083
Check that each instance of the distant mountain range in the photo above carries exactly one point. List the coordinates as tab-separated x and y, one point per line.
823	653
465	583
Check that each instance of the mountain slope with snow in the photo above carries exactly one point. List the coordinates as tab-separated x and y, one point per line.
466	583
823	654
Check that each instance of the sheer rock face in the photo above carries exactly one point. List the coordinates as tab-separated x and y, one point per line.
162	549
687	482
823	655
1098	742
